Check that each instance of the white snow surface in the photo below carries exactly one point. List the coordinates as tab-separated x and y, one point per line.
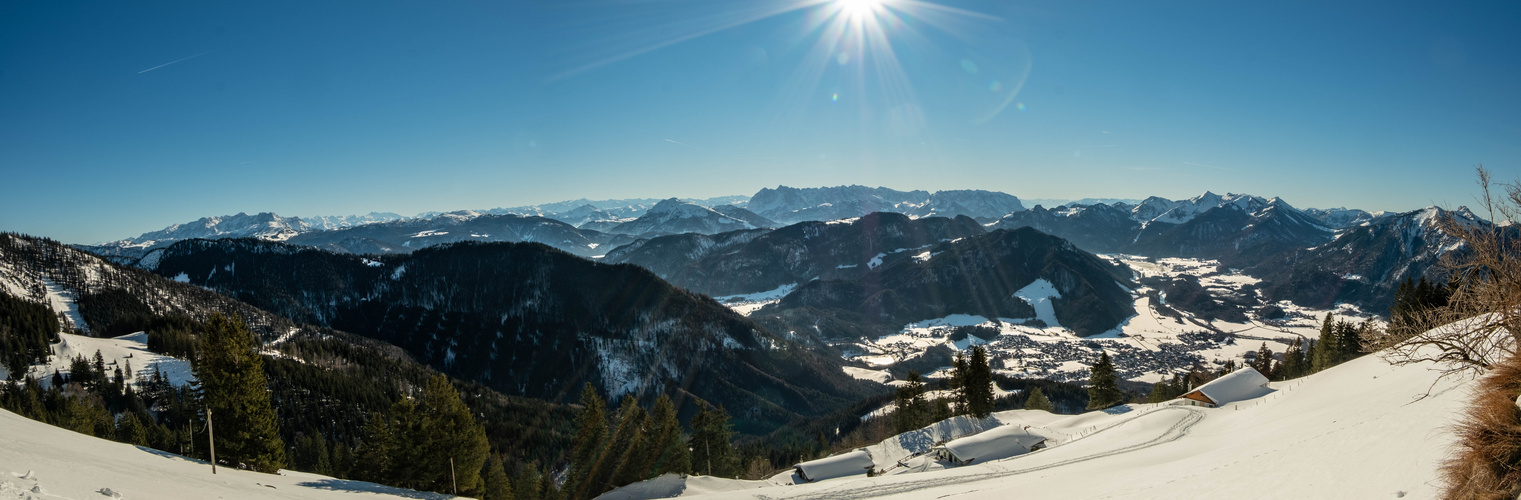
1040	293
130	349
42	462
750	302
1364	429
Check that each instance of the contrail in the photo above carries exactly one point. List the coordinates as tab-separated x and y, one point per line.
175	61
681	143
1208	166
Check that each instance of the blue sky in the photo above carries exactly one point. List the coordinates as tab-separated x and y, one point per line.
118	118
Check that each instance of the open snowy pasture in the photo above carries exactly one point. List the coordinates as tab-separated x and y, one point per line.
126	352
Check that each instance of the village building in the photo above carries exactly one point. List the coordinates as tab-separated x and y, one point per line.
1245	383
842	465
994	444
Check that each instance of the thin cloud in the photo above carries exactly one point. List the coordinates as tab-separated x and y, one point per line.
1208	166
681	143
176	61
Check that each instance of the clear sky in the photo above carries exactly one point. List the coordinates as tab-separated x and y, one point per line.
118	118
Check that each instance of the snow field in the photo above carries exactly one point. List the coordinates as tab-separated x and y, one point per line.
117	352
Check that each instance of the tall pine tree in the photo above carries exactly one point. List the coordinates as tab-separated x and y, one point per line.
979	384
452	446
236	395
588	446
668	451
1103	386
712	454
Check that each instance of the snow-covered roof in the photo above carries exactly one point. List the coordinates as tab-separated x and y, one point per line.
1238	385
845	464
997	443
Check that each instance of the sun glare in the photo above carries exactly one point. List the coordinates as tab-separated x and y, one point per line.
858	9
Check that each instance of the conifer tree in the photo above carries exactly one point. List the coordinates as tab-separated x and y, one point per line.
913	410
942	409
235	392
497	487
373	458
526	486
1103	387
1264	364
626	446
130	430
406	444
958	384
668	451
587	448
1324	354
449	432
712	454
979	384
1038	401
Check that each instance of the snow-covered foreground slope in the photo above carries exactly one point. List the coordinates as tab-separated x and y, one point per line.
39	461
1364	429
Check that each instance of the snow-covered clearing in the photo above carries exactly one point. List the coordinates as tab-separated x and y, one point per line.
1364	429
120	352
750	302
42	462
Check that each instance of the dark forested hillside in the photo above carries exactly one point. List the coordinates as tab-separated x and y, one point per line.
979	276
325	383
748	262
529	320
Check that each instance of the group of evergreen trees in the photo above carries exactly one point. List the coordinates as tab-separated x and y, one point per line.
971	393
26	329
1340	341
1414	300
632	444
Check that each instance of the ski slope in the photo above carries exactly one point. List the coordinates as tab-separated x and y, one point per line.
1365	429
42	462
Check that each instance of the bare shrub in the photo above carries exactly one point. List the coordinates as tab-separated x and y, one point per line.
1481	324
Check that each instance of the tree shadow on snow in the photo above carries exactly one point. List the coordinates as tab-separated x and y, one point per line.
364	487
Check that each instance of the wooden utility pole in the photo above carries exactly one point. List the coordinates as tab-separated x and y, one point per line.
452	479
211	436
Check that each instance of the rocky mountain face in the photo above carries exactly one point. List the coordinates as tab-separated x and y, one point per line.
1096	228
674	216
1365	264
526	319
1237	235
1337	218
1239	230
414	234
266	226
789	205
754	261
977	275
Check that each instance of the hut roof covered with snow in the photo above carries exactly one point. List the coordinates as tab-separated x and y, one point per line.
994	444
1238	385
844	464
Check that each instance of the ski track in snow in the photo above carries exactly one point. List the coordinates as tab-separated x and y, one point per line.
850	490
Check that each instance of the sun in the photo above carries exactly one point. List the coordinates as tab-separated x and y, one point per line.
858	9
